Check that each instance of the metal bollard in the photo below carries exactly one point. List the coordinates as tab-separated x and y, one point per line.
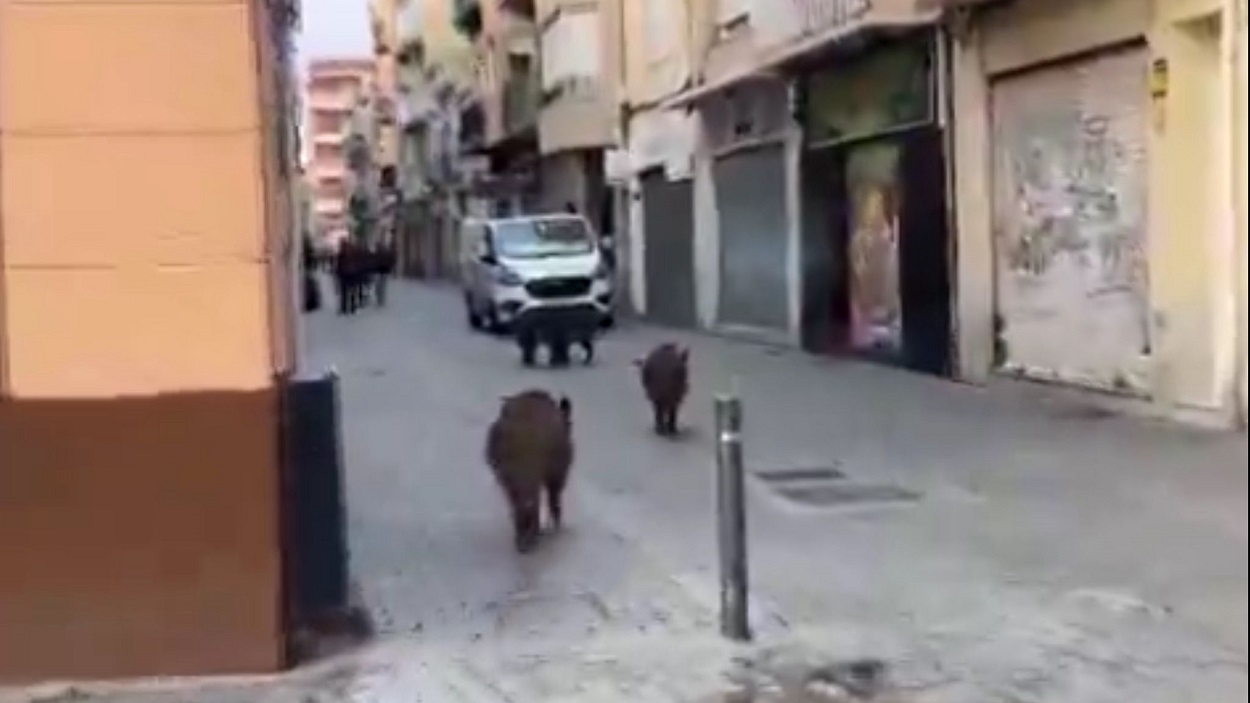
731	519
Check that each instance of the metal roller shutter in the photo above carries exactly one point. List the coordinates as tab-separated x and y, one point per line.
1070	218
751	199
668	221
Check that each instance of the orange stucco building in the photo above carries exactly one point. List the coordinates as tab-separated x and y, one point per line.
145	315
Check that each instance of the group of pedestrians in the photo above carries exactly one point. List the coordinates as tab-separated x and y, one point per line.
360	272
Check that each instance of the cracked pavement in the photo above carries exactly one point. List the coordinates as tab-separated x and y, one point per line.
1053	554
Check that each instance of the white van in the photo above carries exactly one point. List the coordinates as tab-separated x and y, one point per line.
519	270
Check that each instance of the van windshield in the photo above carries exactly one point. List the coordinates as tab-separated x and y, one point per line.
537	239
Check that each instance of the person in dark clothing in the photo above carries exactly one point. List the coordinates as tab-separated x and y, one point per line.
351	274
383	266
312	291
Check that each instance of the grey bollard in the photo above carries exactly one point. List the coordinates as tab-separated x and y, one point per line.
731	519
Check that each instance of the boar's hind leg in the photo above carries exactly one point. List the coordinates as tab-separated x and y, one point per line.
555	503
661	415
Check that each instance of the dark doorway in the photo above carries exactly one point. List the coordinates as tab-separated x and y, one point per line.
876	272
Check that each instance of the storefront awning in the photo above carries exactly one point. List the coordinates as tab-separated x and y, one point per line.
773	61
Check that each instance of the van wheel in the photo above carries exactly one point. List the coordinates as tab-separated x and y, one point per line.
475	320
491	321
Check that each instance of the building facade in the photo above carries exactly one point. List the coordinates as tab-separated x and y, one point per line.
333	90
138	328
579	101
435	80
1101	197
1041	190
658	253
500	120
811	120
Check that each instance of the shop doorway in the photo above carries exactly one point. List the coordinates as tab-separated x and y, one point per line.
876	278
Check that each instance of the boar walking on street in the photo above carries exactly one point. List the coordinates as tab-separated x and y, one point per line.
665	378
529	447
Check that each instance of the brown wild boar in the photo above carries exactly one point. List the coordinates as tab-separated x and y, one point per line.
530	450
665	378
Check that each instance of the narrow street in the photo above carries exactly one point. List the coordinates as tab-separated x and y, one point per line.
983	545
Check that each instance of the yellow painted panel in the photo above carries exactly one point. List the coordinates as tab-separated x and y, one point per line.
1024	34
127	67
136	330
98	200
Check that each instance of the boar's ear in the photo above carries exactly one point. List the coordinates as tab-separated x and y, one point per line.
566	407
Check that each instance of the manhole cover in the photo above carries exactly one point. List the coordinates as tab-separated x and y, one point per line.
810	473
837	495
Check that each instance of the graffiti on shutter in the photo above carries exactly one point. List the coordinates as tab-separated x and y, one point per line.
1069	199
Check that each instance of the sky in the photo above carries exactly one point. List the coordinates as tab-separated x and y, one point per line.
334	28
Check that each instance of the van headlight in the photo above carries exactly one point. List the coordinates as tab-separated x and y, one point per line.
602	272
507	277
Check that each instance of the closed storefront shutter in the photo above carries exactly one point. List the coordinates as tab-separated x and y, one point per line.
751	199
1070	219
668	222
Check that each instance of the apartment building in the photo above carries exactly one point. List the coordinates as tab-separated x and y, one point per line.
138	328
500	122
579	104
434	80
334	88
384	27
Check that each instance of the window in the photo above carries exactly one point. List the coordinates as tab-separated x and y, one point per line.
536	239
570	48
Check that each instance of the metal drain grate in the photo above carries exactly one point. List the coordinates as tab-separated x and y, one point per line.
815	473
847	494
829	487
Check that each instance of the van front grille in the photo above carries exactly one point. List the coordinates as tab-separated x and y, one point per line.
568	287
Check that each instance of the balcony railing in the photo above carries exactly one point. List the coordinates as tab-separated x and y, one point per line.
520	102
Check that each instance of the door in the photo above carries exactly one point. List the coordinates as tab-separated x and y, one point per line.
826	305
924	254
751	200
668	221
1069	213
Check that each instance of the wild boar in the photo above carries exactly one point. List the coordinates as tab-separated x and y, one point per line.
529	447
665	379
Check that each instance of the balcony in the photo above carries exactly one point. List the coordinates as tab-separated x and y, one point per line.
467	16
520	101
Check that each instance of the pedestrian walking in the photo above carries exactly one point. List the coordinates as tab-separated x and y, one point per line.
383	268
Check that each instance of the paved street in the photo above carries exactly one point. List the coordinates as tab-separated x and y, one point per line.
985	545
